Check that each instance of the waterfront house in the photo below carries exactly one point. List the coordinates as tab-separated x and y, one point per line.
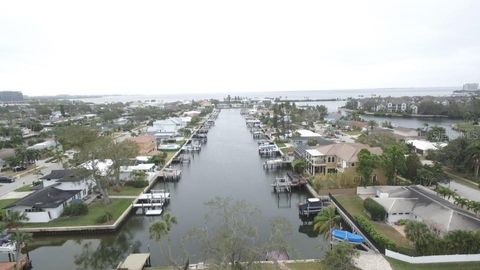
304	135
146	143
101	167
337	157
168	128
70	179
44	205
419	203
192	113
149	169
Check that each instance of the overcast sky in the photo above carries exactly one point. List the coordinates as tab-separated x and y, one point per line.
163	47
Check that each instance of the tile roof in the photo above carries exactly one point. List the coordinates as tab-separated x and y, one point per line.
347	151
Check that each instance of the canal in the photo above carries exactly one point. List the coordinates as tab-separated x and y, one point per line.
228	166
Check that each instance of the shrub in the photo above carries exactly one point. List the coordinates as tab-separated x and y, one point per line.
137	183
376	210
365	224
402	222
75	209
106	217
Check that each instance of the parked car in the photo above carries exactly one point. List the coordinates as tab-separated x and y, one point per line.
19	168
6	179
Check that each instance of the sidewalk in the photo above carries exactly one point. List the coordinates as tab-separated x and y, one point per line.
371	261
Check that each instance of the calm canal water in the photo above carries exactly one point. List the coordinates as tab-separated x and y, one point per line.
227	166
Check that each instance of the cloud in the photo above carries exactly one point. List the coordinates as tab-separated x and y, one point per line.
162	47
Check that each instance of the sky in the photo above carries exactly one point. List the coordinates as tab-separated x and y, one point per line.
176	47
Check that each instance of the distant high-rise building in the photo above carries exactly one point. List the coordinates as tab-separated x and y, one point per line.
470	87
11	96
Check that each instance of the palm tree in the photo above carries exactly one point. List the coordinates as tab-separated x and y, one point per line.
325	221
419	234
371	124
160	229
14	219
473	157
21	240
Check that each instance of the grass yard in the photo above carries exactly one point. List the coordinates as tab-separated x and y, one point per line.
96	209
6	202
461	178
399	265
281	145
125	191
354	206
24	188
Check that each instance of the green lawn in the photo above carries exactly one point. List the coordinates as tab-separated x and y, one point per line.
24	188
125	191
281	145
461	178
96	209
399	265
354	206
6	202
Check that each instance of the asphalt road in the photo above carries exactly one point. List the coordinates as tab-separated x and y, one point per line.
28	178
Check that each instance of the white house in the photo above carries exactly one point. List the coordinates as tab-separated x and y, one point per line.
102	166
44	205
150	170
43	145
164	129
74	179
422	146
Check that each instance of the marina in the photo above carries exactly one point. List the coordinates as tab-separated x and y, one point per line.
228	166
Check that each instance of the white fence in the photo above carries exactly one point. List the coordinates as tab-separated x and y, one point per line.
433	259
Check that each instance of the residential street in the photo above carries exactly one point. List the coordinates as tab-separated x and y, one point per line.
29	177
463	190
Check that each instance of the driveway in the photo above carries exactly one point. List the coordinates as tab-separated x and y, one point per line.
28	178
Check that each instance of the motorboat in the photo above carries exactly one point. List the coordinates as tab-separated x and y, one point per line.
347	236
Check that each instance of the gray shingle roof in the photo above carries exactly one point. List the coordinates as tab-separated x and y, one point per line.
66	175
49	197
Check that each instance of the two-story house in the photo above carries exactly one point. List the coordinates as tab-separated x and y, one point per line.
337	157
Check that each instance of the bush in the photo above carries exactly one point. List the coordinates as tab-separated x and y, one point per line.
75	209
106	217
365	224
137	183
402	222
376	210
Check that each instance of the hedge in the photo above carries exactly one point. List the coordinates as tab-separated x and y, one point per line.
136	183
376	210
365	224
75	209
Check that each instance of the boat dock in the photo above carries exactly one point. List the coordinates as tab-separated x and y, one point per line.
278	163
135	261
170	174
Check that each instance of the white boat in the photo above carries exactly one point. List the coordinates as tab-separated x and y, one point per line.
8	247
153	212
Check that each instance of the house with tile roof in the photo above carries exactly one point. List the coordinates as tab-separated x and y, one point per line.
336	157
